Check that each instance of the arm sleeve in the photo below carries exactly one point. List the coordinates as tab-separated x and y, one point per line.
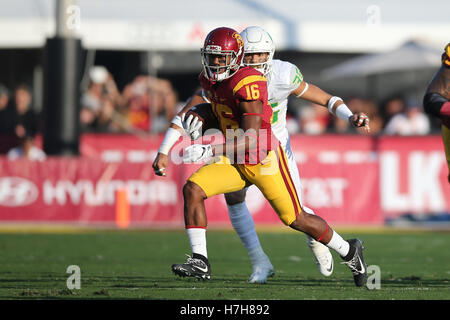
436	105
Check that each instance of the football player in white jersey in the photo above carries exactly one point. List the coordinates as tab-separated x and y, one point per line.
284	79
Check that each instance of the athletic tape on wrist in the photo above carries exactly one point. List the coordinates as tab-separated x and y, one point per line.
331	103
177	121
170	139
343	112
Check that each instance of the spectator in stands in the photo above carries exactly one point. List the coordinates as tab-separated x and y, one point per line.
137	99
26	149
410	122
101	103
164	105
313	119
391	107
151	102
24	119
6	126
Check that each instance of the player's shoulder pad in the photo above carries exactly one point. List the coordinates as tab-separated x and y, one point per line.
245	76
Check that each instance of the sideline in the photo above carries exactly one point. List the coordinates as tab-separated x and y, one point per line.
16	228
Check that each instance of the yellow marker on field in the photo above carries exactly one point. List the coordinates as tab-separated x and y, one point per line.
122	208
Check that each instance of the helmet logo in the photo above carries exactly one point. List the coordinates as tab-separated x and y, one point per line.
238	38
213	48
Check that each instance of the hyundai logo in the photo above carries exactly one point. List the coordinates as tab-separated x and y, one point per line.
15	192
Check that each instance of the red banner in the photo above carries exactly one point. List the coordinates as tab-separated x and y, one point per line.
413	176
347	180
84	190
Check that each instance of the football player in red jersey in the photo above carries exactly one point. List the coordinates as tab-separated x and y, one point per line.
437	100
239	99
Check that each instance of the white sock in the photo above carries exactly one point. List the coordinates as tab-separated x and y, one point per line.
308	210
197	238
338	244
244	225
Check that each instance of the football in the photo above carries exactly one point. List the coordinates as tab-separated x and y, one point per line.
205	114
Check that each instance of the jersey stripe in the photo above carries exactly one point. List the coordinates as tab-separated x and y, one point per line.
247	80
284	169
296	208
288	174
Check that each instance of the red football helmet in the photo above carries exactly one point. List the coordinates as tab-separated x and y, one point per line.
222	42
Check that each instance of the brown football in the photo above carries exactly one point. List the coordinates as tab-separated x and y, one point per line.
205	114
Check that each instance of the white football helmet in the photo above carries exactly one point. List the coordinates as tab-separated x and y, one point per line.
256	40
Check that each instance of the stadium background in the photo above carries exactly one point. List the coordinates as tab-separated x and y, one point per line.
392	177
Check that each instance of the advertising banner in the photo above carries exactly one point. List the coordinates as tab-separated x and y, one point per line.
347	180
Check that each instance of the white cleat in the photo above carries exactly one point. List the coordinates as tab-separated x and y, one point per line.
322	255
261	272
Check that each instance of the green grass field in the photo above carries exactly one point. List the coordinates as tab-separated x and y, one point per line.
136	265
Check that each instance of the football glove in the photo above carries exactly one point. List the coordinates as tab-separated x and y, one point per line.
446	56
197	152
192	126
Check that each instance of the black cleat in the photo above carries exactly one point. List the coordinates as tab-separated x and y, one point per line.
355	261
196	266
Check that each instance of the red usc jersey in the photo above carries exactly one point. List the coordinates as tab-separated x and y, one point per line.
225	96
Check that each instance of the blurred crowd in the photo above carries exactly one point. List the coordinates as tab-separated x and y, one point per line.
396	116
148	104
